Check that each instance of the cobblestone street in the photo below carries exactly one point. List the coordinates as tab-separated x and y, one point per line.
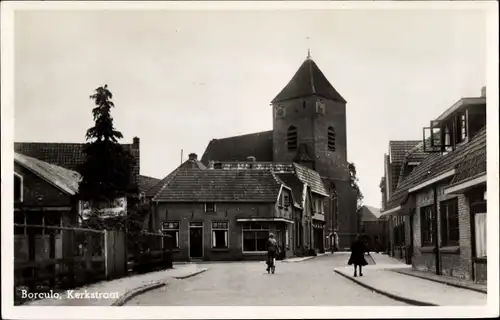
308	283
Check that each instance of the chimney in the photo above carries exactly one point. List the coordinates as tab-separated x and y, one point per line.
483	92
135	142
193	157
251	159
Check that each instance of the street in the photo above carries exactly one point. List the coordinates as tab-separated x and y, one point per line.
308	283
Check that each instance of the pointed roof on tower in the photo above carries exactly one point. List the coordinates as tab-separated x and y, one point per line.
307	81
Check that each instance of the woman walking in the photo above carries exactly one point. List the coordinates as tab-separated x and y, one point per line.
358	249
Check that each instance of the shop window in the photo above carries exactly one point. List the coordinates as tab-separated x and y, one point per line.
255	237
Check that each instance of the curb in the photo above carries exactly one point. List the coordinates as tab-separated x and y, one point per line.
191	275
387	294
456	285
135	292
152	286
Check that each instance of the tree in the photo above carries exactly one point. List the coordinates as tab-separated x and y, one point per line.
354	184
106	173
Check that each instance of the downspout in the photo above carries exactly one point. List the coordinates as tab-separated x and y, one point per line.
435	231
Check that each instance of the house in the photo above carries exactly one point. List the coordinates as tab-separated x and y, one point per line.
58	163
309	128
45	195
438	210
373	228
226	212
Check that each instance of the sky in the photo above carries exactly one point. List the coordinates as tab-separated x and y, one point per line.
182	78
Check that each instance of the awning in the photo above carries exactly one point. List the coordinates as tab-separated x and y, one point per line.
263	219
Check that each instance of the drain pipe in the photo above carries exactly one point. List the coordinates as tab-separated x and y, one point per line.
435	229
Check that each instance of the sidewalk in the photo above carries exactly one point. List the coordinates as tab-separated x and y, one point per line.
451	281
383	278
120	290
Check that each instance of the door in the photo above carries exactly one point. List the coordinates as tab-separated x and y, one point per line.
196	240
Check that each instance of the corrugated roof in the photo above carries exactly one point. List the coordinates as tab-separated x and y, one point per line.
66	180
239	148
308	80
198	185
434	165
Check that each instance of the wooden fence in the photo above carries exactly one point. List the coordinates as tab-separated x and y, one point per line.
59	258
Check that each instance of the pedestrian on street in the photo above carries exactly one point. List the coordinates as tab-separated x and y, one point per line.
358	249
272	247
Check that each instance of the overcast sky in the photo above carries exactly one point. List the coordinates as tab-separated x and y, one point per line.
181	78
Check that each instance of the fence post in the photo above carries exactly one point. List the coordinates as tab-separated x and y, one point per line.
107	253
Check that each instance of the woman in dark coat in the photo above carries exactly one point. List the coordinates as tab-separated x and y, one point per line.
358	249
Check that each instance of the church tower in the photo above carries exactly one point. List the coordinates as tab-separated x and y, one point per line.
309	127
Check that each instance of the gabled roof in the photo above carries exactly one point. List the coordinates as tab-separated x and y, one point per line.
434	165
297	186
198	185
62	178
239	148
308	81
311	178
146	183
368	213
66	155
398	149
186	165
473	164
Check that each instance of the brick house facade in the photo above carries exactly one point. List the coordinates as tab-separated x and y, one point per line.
437	213
196	204
309	128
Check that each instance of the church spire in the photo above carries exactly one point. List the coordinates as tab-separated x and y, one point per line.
308	54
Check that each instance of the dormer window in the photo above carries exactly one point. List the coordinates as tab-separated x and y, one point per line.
292	138
217	165
18	188
286	201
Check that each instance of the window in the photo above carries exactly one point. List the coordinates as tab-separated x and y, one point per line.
292	138
220	234
318	205
217	165
449	222
478	211
426	226
209	207
255	237
171	228
461	125
480	231
18	188
331	138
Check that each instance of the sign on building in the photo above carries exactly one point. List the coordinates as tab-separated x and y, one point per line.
115	208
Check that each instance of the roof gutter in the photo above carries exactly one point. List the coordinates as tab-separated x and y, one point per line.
430	182
388	212
474	181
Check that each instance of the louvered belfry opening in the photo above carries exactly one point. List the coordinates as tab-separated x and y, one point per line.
292	138
331	138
